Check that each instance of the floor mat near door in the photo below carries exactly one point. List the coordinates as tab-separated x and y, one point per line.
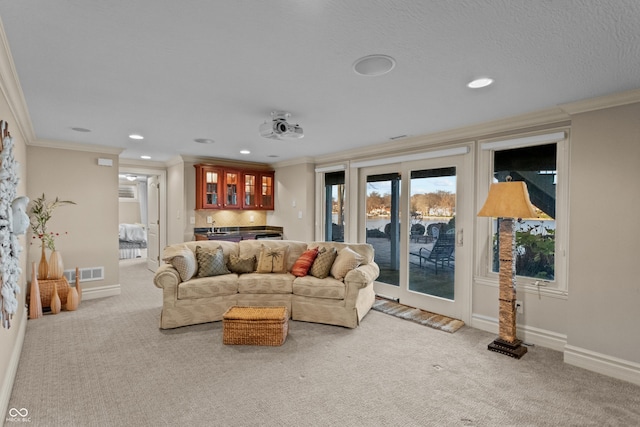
422	317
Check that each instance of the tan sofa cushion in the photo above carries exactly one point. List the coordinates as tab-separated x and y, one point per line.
321	267
272	260
272	283
309	286
183	259
346	261
207	287
249	248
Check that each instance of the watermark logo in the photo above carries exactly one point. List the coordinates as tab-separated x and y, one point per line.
18	416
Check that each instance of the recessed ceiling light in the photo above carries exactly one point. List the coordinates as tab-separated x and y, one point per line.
481	82
204	141
81	129
245	152
136	136
374	65
145	157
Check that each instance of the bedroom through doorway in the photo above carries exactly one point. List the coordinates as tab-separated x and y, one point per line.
140	219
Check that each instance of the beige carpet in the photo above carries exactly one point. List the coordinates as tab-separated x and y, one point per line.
422	317
108	364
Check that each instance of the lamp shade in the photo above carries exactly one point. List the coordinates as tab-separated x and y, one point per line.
508	200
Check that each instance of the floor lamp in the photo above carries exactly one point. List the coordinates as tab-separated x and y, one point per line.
508	201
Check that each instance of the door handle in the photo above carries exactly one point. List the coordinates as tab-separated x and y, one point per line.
460	237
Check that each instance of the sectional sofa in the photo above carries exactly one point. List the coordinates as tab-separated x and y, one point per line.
341	298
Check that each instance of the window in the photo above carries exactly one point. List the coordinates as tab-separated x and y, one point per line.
334	206
539	259
535	238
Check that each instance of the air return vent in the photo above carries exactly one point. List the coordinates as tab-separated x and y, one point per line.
86	274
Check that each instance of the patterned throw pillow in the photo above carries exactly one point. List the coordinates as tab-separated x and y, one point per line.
303	264
242	265
183	260
210	262
346	261
272	260
323	262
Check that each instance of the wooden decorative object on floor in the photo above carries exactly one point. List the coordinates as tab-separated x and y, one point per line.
35	306
72	299
46	290
255	325
43	267
78	288
56	305
56	266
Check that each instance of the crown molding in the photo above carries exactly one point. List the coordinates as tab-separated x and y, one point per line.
223	162
549	116
141	163
12	91
175	161
602	102
294	162
76	146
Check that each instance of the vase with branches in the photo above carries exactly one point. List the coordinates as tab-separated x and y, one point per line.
40	213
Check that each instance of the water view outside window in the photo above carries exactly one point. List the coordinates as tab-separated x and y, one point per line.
535	238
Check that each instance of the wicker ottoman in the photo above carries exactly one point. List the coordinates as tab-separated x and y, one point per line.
255	325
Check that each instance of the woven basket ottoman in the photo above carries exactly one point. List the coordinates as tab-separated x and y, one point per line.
255	325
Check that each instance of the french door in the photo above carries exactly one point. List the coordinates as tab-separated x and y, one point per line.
415	216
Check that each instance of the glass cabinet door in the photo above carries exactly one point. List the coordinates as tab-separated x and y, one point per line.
232	189
250	182
211	188
267	200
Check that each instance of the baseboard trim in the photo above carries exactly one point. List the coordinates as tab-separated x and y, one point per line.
602	364
12	369
528	334
100	292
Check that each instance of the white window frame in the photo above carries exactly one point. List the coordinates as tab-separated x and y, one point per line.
484	231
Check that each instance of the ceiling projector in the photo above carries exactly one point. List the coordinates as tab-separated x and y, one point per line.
279	128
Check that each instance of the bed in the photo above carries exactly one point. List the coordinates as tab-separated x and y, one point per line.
132	238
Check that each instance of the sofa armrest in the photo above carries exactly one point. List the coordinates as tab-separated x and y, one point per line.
363	275
166	277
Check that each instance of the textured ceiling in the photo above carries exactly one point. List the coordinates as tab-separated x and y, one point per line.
179	70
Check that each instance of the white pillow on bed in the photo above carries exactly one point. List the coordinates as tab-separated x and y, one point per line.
183	260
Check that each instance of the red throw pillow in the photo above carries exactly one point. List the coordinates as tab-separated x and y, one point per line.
303	264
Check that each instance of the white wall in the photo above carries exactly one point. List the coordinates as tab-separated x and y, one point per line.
603	313
295	201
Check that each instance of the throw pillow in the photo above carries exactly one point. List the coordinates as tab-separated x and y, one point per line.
346	261
242	265
322	265
210	262
183	260
272	260
303	264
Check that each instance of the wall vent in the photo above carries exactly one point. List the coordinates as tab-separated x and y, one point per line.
128	192
86	274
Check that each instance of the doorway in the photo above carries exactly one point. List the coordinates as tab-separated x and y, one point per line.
152	212
414	215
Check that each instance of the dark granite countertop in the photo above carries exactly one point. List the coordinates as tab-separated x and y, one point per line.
243	232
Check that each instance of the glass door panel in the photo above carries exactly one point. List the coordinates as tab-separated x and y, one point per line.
383	224
432	201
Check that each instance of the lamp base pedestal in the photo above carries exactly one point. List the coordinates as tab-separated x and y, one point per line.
511	349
